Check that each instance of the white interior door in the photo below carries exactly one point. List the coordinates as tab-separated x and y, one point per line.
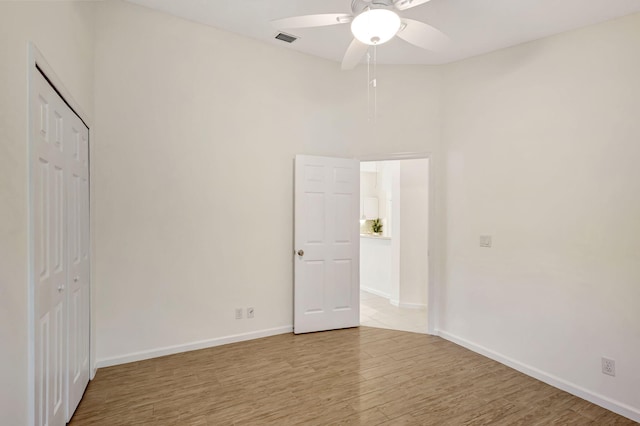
327	243
78	254
50	275
60	214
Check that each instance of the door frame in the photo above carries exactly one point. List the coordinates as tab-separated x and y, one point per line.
35	61
433	230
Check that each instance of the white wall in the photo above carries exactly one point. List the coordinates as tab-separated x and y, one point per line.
542	154
394	168
375	265
63	32
385	195
414	232
196	134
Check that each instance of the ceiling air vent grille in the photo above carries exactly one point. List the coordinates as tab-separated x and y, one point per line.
287	38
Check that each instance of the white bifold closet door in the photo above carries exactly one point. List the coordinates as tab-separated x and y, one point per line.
60	238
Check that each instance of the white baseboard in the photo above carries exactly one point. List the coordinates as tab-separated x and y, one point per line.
393	302
601	400
374	291
202	344
412	305
407	305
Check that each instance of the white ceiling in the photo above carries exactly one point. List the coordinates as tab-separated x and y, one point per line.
474	26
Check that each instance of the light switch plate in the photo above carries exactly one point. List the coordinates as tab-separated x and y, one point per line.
485	240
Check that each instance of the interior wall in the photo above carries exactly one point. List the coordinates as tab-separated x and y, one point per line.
414	232
197	129
375	265
385	195
396	202
542	154
63	32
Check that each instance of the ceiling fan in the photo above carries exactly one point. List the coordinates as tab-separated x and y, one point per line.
373	22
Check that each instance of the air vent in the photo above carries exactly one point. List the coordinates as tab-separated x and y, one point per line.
288	38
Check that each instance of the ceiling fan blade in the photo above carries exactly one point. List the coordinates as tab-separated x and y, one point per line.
407	4
354	53
423	35
307	21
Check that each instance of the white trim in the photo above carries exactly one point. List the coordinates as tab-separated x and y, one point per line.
394	302
432	247
401	305
374	291
555	381
432	306
32	53
411	305
396	156
202	344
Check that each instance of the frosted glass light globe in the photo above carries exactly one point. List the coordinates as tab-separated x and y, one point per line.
375	26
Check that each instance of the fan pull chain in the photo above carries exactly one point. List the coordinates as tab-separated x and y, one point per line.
368	85
372	84
375	81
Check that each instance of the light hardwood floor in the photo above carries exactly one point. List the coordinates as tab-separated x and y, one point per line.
363	375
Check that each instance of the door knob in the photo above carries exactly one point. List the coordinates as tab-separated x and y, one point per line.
75	279
300	252
60	288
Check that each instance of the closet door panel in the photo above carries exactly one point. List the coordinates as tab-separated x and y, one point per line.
60	247
78	237
50	262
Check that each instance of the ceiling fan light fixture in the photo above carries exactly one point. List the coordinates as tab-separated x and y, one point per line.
375	26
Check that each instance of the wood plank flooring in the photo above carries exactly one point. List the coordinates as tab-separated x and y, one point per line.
366	376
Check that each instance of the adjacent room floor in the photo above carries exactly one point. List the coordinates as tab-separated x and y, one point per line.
376	311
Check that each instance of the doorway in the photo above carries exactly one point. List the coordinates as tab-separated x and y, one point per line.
394	241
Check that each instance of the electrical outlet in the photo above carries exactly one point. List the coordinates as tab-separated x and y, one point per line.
238	313
250	313
485	241
608	366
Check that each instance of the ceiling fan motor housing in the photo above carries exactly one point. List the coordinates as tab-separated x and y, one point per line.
359	6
